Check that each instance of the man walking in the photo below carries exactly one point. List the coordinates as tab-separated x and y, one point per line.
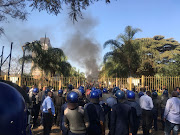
146	104
172	114
48	113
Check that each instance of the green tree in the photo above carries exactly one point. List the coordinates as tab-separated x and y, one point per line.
158	55
76	73
52	61
124	56
17	8
12	8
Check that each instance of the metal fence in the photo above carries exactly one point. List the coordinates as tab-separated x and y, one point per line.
149	82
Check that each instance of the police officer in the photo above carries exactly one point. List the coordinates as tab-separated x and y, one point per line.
121	116
82	99
70	87
63	130
178	90
155	109
111	101
75	118
139	95
13	113
106	94
95	114
48	113
100	96
35	106
146	104
42	94
45	94
115	89
59	101
163	101
136	109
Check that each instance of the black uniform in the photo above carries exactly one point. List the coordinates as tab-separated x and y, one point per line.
136	114
35	108
121	119
163	101
155	111
83	101
95	114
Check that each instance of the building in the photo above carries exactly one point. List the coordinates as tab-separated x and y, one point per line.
45	42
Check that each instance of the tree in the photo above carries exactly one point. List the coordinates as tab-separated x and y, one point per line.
17	8
76	73
58	62
124	56
55	6
12	8
158	55
52	61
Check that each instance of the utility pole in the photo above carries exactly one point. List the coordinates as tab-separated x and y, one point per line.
22	61
1	59
10	58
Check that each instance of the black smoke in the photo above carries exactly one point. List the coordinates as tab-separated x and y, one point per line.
81	45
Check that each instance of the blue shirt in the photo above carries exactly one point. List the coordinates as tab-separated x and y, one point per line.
172	110
146	102
48	104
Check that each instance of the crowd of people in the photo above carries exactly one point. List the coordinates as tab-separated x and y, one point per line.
98	111
89	110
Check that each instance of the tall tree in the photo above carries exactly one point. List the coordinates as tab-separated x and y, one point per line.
125	54
17	8
52	61
12	8
158	55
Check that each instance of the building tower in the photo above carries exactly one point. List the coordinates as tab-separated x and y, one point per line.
45	43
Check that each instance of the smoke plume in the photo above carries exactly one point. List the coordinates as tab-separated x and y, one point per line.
81	45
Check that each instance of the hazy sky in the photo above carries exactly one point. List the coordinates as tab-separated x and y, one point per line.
153	17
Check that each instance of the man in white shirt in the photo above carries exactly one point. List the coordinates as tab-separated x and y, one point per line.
146	104
172	114
31	92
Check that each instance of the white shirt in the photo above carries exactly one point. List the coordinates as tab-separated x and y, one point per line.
30	94
146	102
172	110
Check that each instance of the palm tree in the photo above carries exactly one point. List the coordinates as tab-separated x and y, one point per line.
52	61
58	62
124	55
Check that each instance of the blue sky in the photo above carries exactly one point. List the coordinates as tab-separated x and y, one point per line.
153	17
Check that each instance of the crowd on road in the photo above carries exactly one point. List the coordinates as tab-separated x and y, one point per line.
92	111
88	110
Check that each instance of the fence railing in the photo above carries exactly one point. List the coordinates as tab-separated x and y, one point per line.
149	82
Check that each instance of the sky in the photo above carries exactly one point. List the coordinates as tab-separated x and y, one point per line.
153	17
